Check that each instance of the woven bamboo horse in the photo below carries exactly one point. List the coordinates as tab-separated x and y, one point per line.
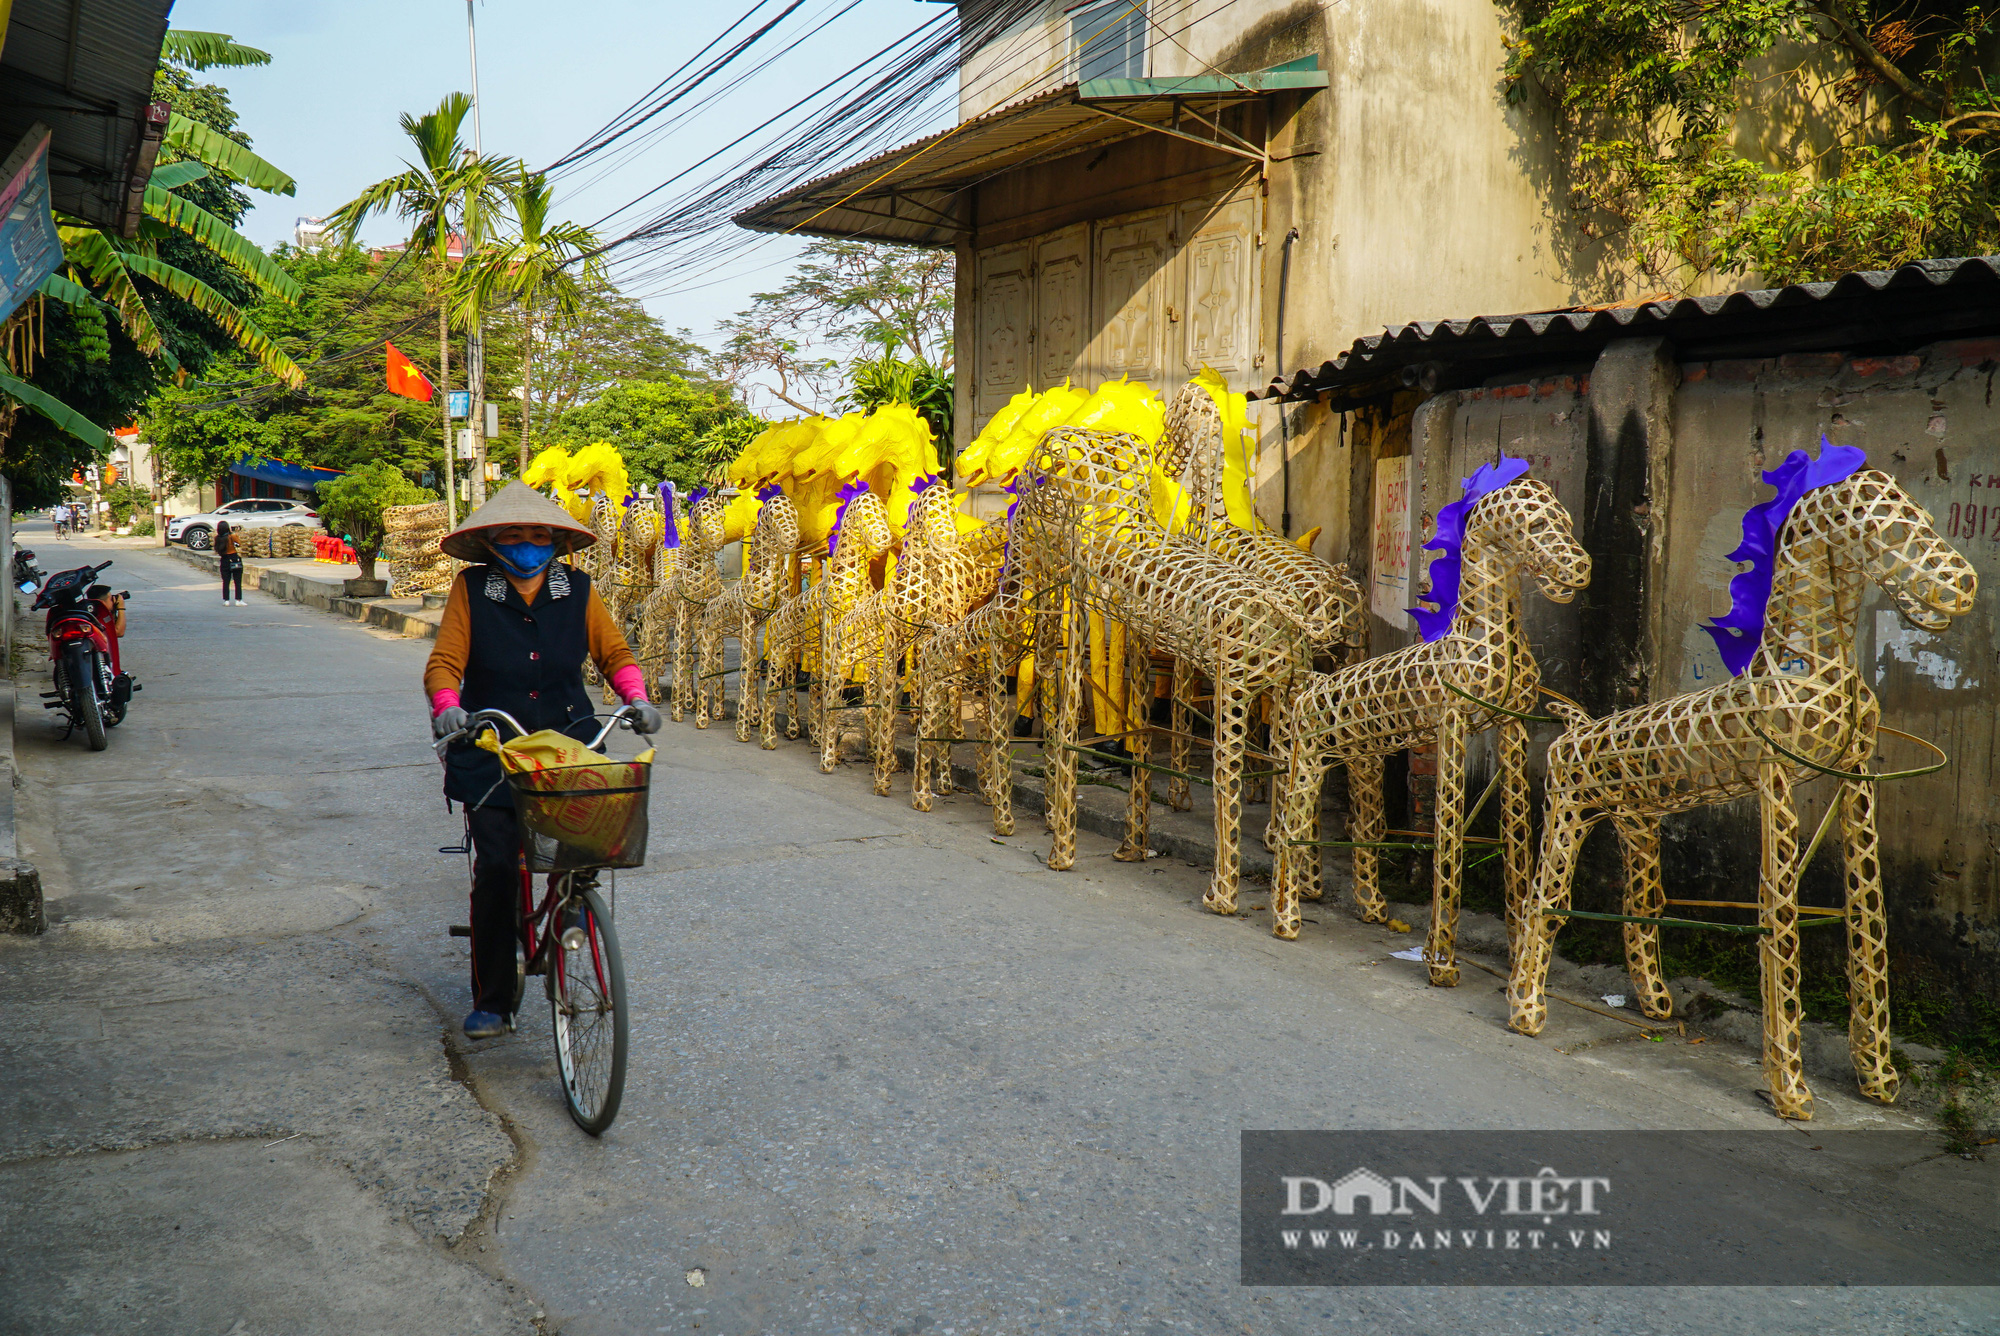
655	613
697	579
940	572
743	608
1474	670
1796	707
630	587
804	623
976	648
1325	599
1086	525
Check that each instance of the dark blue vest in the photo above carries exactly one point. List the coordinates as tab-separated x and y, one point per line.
527	660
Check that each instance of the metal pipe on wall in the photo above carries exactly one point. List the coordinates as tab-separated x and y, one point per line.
1284	433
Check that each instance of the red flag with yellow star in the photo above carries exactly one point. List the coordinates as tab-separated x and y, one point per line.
405	379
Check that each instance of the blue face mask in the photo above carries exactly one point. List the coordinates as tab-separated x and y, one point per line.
523	559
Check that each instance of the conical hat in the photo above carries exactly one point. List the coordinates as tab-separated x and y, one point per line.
516	503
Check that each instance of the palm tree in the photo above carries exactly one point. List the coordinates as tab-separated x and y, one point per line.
544	268
445	181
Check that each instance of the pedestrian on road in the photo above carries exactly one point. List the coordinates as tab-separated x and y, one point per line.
229	549
515	632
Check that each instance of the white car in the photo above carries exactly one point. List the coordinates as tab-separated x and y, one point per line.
251	512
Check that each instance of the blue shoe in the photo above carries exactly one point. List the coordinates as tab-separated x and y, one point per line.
485	1025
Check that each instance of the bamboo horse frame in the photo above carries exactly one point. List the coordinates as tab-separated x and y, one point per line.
1324	598
696	580
939	574
1481	674
1086	529
1800	709
745	606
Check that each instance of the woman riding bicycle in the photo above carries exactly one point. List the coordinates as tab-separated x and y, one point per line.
516	629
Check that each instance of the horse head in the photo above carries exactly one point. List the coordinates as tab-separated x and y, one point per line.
707	523
1898	545
1525	523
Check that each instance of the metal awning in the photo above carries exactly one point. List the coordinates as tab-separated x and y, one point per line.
279	473
907	194
84	68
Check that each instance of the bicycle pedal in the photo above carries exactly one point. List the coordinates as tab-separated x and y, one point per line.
461	930
451	848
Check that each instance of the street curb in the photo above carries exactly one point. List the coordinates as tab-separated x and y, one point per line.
323	595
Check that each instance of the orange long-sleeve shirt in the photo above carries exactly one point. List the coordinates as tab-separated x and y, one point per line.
446	667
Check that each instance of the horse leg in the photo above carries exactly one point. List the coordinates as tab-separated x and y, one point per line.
1365	828
1180	796
1639	841
1867	943
1138	669
773	676
1232	728
1448	860
1296	874
882	718
746	664
1516	829
708	657
1563	829
1059	756
680	702
1778	915
998	758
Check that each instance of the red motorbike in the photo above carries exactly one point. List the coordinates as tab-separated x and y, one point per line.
91	688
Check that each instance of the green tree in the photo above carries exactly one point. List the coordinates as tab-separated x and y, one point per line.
1790	139
852	295
353	504
613	340
889	379
666	430
344	415
445	188
545	269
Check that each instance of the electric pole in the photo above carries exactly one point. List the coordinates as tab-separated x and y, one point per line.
475	339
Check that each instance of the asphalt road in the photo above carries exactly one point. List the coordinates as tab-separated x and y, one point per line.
889	1074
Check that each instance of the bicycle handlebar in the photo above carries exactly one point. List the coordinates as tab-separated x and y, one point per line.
481	719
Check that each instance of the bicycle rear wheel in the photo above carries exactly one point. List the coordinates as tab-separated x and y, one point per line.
587	1008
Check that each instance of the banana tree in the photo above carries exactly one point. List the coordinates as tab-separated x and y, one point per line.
446	182
544	268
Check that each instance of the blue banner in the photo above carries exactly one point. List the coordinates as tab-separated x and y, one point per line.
30	250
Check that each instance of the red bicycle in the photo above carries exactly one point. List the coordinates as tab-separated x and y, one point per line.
578	825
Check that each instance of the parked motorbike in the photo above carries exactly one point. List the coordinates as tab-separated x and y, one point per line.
28	575
91	689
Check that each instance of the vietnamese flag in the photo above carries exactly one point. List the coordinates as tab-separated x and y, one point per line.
405	379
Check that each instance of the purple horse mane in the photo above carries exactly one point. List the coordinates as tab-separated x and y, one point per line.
1448	569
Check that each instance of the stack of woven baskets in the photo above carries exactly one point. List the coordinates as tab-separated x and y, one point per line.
410	537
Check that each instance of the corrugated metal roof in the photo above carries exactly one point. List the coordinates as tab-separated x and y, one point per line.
85	69
909	193
1859	312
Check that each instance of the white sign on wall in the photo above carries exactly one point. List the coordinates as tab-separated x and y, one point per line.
1389	572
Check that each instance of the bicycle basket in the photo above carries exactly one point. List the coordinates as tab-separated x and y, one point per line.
583	816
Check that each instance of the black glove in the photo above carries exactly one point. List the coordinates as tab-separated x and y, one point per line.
648	720
447	721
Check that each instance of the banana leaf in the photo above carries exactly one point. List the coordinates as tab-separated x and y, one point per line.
192	139
229	245
201	50
173	175
91	251
223	312
66	291
56	411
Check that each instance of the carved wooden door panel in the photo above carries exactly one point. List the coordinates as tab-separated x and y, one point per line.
1062	306
1217	297
1129	290
1005	305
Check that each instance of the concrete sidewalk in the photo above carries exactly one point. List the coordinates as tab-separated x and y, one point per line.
322	585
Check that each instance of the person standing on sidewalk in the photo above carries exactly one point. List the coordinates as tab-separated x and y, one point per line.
514	635
230	552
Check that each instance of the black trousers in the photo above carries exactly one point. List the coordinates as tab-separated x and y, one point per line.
232	569
496	895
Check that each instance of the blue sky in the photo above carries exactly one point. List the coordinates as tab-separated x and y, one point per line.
325	109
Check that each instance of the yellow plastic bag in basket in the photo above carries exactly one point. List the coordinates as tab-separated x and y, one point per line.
593	813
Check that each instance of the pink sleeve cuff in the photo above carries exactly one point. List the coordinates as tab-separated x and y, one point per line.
444	698
630	683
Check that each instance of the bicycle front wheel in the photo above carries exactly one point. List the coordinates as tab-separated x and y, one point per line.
587	1007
